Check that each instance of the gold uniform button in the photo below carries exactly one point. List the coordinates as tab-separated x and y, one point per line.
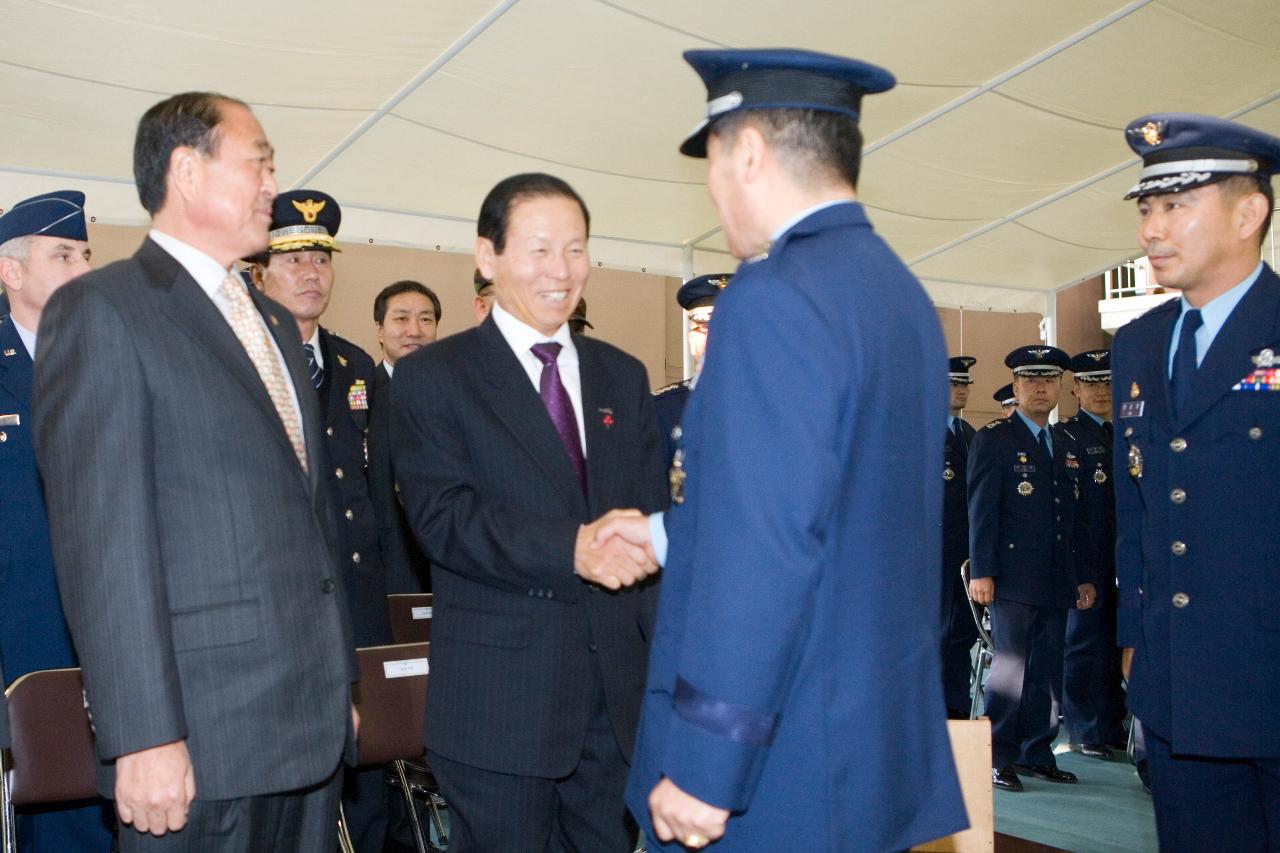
1179	548
1178	445
4	436
355	558
350	515
1128	431
1181	600
338	473
1178	496
1255	433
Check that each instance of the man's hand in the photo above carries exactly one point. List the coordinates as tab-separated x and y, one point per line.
677	815
1087	594
1126	661
155	787
355	721
616	563
982	590
628	525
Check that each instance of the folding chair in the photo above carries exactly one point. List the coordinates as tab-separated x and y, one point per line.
410	617
51	757
986	648
391	698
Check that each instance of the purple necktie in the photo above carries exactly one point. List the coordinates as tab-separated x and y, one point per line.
560	407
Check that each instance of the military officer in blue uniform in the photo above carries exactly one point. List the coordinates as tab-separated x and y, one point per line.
1092	693
959	633
1007	399
1197	415
767	722
297	271
43	245
697	296
1024	539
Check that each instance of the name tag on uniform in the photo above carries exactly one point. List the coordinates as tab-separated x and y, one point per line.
10	420
1095	450
1132	408
1024	469
421	612
405	668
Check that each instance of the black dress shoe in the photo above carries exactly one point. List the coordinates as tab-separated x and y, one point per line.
1005	779
1093	750
1047	772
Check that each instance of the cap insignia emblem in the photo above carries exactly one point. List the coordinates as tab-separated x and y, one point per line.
1039	353
1096	356
309	209
1152	132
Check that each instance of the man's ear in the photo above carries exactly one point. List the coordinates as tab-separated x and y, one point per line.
1250	213
10	275
486	257
258	273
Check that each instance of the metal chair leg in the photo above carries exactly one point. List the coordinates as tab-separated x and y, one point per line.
10	832
344	836
418	838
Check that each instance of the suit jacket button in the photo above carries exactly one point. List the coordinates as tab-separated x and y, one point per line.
328	431
591	647
1178	548
1178	445
338	473
532	593
350	515
551	593
1254	432
327	586
1181	600
1177	496
355	558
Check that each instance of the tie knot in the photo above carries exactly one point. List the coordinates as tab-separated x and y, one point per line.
309	350
1191	321
546	352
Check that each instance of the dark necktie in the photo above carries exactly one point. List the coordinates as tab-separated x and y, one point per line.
560	407
314	370
1044	444
1106	425
1184	360
955	426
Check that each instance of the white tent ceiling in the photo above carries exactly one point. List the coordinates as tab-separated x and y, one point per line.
995	168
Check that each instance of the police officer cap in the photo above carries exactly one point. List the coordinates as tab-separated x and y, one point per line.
303	220
1005	396
478	279
958	369
55	214
702	291
1092	366
1037	360
579	314
779	78
1183	150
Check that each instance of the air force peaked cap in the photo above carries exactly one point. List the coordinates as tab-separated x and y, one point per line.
1092	366
55	214
702	291
1037	360
1183	150
302	220
779	78
958	369
1005	396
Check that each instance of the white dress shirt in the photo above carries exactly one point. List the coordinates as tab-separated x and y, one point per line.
521	338
27	336
315	344
209	275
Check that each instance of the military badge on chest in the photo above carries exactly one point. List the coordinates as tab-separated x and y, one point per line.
358	396
948	473
1072	461
1266	373
677	474
1099	476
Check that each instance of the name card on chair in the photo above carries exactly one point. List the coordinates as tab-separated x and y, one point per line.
405	668
421	612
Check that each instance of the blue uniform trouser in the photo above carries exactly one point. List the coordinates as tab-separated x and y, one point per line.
1092	698
1213	803
86	829
1026	666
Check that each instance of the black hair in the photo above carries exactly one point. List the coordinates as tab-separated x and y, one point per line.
186	120
814	145
495	212
399	287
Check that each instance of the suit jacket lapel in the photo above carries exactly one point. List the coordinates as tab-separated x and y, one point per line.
15	370
507	391
1251	325
595	407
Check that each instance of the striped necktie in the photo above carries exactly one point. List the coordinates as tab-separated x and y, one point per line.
314	370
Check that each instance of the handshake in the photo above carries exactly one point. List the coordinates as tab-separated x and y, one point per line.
615	550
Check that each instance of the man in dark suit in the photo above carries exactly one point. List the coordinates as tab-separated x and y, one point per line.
959	633
1092	693
296	270
805	534
407	317
507	438
1197	412
697	297
180	446
1024	540
43	245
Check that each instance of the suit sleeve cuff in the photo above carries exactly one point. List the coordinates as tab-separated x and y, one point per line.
658	536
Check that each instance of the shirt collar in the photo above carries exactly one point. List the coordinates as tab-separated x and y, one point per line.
1215	312
315	344
27	336
390	367
207	272
1097	420
805	214
1031	425
521	337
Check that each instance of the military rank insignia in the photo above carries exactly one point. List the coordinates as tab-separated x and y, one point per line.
1135	462
1099	476
1072	461
1265	375
358	396
1025	488
1134	391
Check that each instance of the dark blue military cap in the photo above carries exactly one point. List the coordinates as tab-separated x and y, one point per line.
1183	150
779	78
1092	366
702	291
1005	396
1037	360
55	214
302	220
958	369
